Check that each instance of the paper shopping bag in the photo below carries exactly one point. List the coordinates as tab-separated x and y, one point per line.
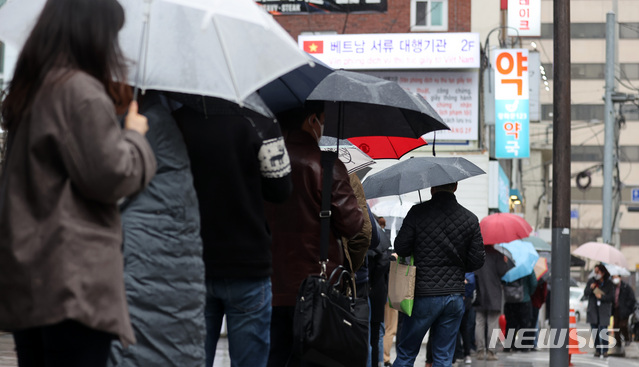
401	286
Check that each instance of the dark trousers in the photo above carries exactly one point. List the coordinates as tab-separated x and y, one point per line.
519	316
622	325
66	344
465	335
281	354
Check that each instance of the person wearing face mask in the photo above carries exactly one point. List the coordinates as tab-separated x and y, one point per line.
601	294
624	306
295	224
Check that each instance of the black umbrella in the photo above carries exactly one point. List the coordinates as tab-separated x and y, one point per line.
418	173
364	105
253	108
291	89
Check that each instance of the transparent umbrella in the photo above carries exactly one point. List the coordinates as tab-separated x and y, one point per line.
216	48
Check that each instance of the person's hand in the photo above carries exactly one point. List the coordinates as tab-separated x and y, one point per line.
135	121
598	295
593	285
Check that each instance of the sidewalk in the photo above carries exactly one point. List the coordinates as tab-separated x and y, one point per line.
517	359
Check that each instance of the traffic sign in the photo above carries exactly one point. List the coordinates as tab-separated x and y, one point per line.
635	195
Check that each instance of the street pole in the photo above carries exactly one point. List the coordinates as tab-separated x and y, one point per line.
560	266
609	131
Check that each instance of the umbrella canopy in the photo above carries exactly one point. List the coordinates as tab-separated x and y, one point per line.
601	252
364	105
538	243
391	208
523	254
541	268
418	173
574	260
387	147
503	227
217	48
352	157
613	270
290	90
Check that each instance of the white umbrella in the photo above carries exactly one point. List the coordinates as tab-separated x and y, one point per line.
613	270
352	157
601	252
217	48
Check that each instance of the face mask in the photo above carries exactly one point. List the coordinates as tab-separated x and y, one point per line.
616	280
598	276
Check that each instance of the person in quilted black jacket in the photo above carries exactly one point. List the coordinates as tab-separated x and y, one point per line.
446	242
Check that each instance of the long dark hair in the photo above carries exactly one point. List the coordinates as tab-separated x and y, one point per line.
71	34
602	268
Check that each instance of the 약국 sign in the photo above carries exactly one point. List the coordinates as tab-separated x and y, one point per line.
512	137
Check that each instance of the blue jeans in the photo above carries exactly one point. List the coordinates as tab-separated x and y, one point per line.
247	305
601	344
442	315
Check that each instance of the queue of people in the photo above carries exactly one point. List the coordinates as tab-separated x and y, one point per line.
127	243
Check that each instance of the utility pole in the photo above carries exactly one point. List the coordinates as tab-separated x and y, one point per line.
609	131
560	266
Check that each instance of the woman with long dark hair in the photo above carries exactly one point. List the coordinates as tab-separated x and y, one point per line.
68	164
600	293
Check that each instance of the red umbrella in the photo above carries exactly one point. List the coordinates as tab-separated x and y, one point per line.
503	228
386	147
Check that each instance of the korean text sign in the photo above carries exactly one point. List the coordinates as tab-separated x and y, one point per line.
524	18
394	50
453	94
512	137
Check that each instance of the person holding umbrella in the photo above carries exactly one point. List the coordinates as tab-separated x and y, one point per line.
295	224
68	164
446	242
601	294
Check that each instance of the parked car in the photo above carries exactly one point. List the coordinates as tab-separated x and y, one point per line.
577	303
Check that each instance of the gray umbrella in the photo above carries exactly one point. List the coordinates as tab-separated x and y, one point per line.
418	173
364	105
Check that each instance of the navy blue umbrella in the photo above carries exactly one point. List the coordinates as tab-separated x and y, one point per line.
291	89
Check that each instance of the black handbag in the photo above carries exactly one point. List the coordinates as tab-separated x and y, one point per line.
330	324
331	327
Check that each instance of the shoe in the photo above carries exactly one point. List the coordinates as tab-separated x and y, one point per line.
597	354
467	360
491	356
481	355
627	343
605	355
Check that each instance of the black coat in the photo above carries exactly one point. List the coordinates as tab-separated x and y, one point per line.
488	280
626	301
445	239
599	312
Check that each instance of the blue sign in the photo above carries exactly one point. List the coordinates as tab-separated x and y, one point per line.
574	213
512	137
635	195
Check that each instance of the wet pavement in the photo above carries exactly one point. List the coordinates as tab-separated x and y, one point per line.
517	359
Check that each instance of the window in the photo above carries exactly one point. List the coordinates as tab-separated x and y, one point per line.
577	30
629	30
629	71
430	15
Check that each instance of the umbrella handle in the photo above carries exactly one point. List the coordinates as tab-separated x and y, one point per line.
143	47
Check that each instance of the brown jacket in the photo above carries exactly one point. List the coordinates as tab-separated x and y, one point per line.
60	233
295	224
357	247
